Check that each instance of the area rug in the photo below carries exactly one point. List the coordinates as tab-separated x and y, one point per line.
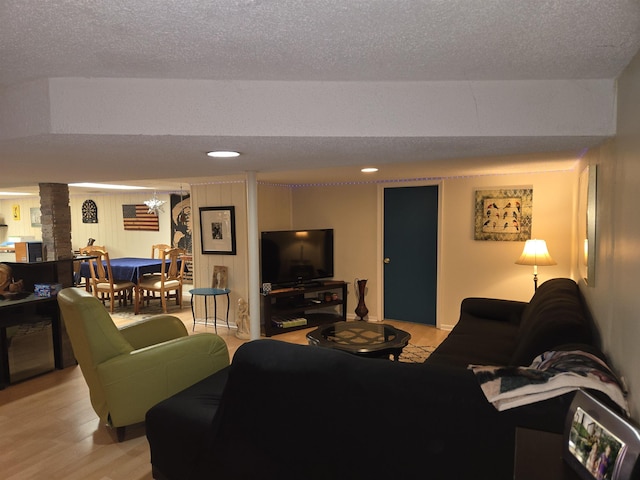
415	353
127	313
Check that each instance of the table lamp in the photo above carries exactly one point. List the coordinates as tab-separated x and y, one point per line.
535	253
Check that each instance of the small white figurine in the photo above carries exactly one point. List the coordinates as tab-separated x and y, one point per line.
242	319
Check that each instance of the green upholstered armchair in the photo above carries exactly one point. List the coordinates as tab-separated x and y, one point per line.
130	369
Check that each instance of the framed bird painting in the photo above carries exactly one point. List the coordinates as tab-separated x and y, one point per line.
503	214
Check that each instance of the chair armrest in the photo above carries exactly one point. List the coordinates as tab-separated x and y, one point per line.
154	373
493	309
153	330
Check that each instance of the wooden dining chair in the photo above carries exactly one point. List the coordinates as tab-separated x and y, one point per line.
169	280
78	280
86	250
103	284
156	252
158	248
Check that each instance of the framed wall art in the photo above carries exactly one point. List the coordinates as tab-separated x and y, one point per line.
218	230
181	232
220	276
36	217
139	217
503	214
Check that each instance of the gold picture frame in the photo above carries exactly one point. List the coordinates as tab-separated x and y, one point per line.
587	198
503	214
220	277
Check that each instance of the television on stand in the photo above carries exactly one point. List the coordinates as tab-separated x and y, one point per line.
296	257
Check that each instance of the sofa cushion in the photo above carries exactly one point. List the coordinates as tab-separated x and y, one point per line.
177	426
494	346
555	315
293	411
485	327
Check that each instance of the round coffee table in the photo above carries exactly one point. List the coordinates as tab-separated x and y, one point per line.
377	340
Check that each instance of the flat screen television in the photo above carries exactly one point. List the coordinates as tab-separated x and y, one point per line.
598	443
291	257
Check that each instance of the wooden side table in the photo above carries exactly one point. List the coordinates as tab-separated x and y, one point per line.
539	455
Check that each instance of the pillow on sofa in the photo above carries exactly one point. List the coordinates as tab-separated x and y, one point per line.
555	315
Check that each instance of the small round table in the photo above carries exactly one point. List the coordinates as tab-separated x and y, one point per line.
206	293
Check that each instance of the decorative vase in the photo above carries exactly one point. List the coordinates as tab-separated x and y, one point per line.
361	309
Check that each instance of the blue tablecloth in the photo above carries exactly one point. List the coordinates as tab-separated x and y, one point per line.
128	268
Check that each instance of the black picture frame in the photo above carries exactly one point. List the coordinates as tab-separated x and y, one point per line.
218	230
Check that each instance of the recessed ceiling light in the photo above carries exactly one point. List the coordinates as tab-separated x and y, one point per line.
223	154
15	194
369	170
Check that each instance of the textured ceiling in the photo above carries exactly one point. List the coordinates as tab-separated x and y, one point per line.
394	40
313	40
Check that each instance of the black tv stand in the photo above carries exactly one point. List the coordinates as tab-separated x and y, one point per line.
288	309
299	284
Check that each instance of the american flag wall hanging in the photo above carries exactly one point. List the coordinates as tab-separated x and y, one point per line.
137	217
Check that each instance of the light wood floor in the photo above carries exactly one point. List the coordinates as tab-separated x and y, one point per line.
48	429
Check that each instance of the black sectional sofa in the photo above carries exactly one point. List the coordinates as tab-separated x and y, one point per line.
284	411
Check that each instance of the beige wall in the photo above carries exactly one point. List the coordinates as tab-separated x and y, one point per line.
22	227
228	191
466	267
274	207
615	300
109	231
487	268
351	210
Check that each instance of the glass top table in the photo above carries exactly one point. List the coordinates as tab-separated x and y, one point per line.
366	339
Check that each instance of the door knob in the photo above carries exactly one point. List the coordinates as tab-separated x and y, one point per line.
387	260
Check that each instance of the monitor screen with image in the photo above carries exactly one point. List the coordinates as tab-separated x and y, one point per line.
599	443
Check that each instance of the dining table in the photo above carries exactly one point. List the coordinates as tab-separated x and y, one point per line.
128	268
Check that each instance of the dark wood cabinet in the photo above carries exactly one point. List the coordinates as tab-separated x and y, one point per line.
283	309
539	455
29	309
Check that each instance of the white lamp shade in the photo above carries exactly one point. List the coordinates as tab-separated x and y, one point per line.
535	253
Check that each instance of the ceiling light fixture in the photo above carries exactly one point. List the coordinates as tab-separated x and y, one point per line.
223	154
107	186
369	170
154	204
15	194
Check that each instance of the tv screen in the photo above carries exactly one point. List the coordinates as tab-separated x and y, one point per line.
296	256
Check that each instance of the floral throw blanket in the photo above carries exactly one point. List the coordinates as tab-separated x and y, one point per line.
551	374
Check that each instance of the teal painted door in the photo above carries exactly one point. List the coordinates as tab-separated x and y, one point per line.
410	253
